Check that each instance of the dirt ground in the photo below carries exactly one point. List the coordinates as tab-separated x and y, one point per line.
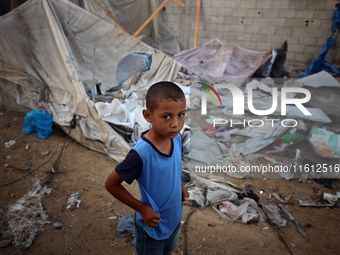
88	229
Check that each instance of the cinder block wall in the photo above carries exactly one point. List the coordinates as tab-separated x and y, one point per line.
258	25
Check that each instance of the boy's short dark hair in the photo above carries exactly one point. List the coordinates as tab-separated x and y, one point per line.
160	91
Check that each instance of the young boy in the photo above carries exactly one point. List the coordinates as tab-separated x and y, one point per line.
155	162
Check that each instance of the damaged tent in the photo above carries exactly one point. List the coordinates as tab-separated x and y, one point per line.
53	51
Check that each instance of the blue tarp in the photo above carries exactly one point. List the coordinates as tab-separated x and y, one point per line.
321	63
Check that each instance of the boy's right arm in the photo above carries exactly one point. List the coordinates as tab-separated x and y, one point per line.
114	186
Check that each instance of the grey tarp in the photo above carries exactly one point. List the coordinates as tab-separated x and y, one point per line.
46	52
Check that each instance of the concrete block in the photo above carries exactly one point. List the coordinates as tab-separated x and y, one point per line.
239	12
308	40
240	28
316	4
296	47
215	34
287	13
254	13
300	4
217	19
331	4
315	23
317	32
252	29
243	37
209	11
300	31
263	4
324	14
264	46
284	30
231	20
224	12
246	20
274	39
268	30
290	56
218	3
326	24
279	22
223	27
248	45
257	38
272	13
264	22
232	42
304	58
293	22
321	41
291	39
230	35
280	4
210	26
313	50
232	3
248	4
305	14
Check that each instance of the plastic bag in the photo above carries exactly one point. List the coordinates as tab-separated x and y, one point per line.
125	226
40	122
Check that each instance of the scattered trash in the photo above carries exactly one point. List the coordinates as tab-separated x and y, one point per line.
57	225
278	197
125	226
27	147
26	217
297	225
73	200
209	129
332	199
8	157
40	122
44	153
113	218
288	138
10	143
273	214
198	195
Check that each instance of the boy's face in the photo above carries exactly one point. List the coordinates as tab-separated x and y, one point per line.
168	118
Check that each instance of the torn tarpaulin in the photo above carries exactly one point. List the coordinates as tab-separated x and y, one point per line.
321	63
222	62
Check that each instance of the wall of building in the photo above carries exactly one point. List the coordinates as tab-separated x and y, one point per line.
257	25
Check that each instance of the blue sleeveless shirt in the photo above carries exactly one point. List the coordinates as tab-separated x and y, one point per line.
160	185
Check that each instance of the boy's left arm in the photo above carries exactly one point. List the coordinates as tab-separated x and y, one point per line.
185	193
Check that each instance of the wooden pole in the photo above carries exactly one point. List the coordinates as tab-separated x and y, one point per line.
116	21
197	21
150	18
179	3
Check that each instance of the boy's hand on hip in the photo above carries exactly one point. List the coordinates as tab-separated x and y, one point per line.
150	217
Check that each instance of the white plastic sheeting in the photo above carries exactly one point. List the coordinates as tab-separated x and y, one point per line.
46	54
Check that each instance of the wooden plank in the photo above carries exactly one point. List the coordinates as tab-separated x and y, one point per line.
197	21
150	18
179	3
116	21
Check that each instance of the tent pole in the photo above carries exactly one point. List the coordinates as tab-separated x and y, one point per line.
94	74
197	21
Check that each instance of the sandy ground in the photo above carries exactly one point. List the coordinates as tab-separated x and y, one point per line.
88	229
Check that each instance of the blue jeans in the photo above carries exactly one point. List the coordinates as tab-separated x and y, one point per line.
146	245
